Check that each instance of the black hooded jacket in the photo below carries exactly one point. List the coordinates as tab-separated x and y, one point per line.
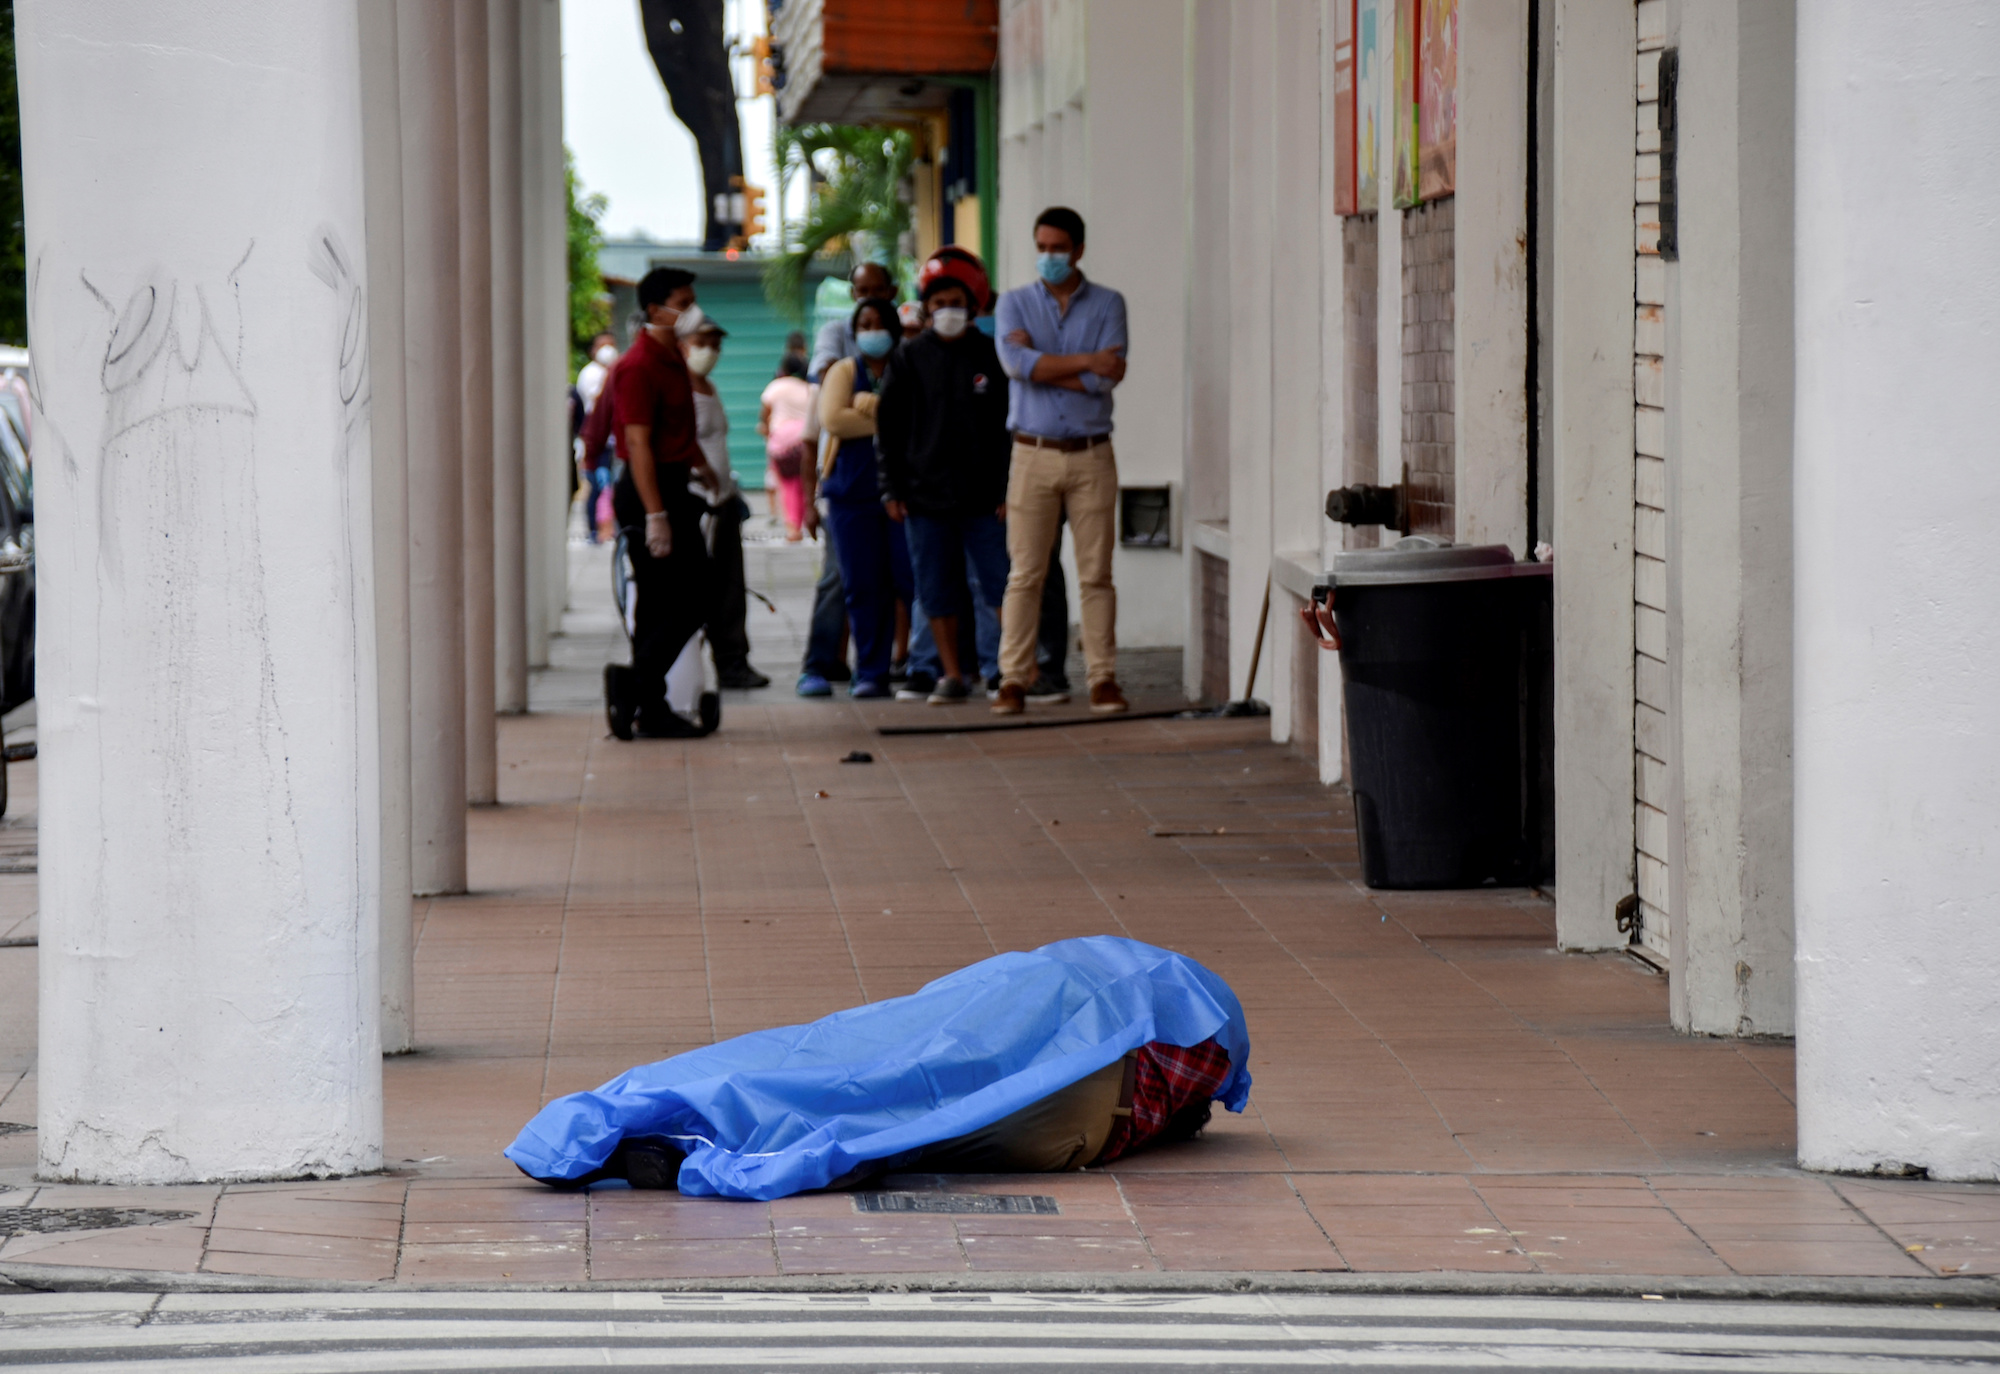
941	426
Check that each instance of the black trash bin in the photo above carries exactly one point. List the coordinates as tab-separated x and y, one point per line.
1446	662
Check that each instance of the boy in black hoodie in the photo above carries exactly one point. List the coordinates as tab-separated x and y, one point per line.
942	445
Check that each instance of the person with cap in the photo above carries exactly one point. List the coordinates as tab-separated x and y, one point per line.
1062	339
653	418
941	429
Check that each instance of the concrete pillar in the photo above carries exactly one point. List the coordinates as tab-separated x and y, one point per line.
383	161
1729	487
549	462
538	318
510	573
475	341
1595	126
427	77
210	818
1251	186
1204	411
1332	400
1490	267
1897	621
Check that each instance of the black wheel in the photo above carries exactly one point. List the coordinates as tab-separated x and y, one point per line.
621	578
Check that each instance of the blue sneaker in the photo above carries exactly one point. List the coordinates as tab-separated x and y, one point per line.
866	689
813	685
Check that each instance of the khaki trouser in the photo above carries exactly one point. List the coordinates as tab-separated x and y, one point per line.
1042	485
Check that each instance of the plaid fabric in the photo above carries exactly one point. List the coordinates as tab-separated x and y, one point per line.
1167	1078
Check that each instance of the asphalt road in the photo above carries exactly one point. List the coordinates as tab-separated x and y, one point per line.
79	1333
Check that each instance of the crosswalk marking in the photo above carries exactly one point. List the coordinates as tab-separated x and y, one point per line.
79	1333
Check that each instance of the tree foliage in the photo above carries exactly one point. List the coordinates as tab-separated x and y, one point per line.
861	197
589	306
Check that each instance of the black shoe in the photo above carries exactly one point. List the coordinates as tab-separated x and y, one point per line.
841	673
619	703
742	679
663	722
916	687
709	712
649	1164
899	670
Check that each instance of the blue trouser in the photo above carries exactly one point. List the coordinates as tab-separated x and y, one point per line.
864	543
954	557
978	639
824	654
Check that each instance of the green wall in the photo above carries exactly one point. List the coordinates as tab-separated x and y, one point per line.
749	360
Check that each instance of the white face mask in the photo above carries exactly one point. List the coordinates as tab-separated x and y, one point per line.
949	322
605	356
689	322
701	361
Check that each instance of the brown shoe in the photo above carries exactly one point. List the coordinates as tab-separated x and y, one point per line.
1106	699
1013	699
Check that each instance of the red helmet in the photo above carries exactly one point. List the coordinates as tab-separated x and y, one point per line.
961	265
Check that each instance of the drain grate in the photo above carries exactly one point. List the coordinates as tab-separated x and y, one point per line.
964	1203
24	1221
14	1128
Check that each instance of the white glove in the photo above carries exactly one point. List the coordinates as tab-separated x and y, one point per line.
659	537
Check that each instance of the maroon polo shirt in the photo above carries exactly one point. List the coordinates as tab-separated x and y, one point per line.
649	386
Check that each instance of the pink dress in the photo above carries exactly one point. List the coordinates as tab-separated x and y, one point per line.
790	400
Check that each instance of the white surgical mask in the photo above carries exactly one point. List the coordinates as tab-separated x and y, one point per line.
605	356
949	322
689	322
701	361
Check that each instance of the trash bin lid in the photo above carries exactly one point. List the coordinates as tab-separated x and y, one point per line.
1419	558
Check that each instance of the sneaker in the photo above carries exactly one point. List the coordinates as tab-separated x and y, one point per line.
950	691
867	689
1106	699
1043	692
742	678
916	687
1011	700
813	685
993	687
899	670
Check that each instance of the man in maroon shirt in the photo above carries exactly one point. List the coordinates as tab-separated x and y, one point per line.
652	416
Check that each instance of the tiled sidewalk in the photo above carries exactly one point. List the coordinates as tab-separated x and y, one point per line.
1436	1087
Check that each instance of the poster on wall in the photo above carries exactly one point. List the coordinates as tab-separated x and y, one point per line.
1367	105
1437	98
1409	15
1343	108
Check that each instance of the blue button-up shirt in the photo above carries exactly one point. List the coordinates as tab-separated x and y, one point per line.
1095	320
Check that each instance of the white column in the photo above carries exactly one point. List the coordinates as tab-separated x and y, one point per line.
549	460
1591	484
1897	510
537	397
475	341
383	159
1729	485
210	822
1332	401
1490	267
1252	241
428	81
510	573
1204	411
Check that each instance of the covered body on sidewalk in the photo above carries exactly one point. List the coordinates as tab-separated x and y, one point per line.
783	1111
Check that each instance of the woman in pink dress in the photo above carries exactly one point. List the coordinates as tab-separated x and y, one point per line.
782	422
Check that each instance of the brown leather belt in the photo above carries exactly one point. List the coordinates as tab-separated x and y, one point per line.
1077	445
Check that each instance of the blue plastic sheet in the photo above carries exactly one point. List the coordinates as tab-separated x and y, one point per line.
782	1111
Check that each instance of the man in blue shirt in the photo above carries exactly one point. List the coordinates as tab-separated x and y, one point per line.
1062	341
